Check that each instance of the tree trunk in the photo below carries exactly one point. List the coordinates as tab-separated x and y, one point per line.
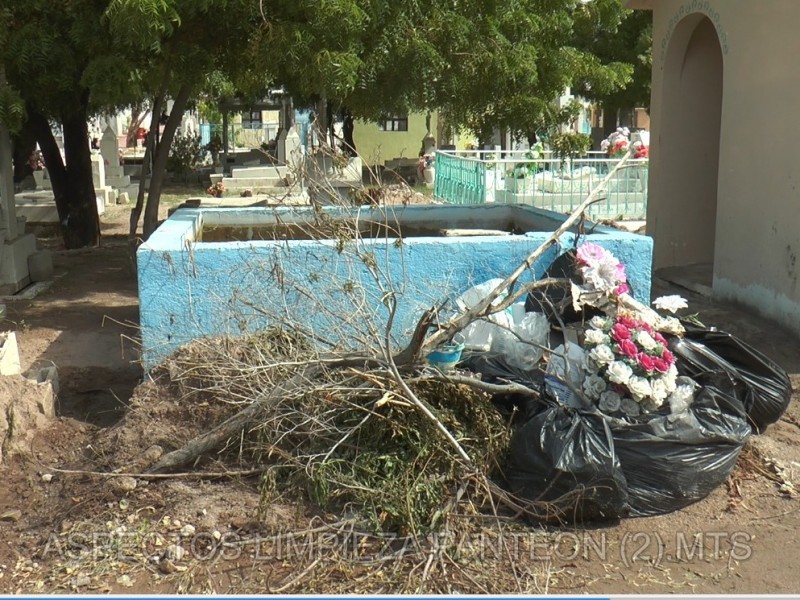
24	144
52	160
72	183
81	227
149	150
348	143
137	118
609	119
160	162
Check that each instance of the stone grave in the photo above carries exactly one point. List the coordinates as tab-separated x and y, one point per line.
106	192
115	176
15	245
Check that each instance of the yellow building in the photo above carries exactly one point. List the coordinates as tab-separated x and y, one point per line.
398	136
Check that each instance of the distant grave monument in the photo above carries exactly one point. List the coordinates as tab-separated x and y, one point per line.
109	150
107	193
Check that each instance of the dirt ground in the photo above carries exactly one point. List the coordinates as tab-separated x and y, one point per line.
77	532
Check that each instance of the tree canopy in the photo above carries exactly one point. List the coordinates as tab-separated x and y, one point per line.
482	63
630	42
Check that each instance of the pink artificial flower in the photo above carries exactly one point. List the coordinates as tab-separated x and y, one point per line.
628	322
660	365
619	332
645	361
668	356
628	348
622	288
590	254
660	338
619	273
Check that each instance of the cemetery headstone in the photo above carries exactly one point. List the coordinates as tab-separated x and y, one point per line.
109	149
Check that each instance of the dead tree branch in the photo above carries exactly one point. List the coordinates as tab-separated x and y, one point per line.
231	427
484	307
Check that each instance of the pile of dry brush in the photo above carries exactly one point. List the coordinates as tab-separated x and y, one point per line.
376	434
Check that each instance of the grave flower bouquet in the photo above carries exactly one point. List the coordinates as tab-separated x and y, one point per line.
426	161
640	150
216	190
619	143
627	368
531	165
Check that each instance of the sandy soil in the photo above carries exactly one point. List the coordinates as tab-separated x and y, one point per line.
57	533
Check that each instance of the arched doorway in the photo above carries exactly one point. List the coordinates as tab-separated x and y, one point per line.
683	201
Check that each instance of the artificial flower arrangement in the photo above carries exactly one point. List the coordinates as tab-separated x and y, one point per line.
627	368
426	161
216	190
524	169
619	143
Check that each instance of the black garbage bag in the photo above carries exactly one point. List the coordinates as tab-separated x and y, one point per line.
555	301
671	461
493	368
763	387
593	467
566	457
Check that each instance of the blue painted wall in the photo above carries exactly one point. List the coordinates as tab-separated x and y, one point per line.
190	290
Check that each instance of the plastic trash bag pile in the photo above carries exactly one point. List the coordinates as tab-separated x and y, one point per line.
579	463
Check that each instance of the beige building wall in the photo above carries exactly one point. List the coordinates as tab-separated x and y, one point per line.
725	176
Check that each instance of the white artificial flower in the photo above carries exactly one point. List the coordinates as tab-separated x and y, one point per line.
669	325
682	396
629	407
593	386
602	355
669	384
619	372
599	322
670	303
645	340
609	401
647	316
639	387
669	378
596	337
659	390
603	275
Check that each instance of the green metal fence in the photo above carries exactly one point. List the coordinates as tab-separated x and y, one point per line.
460	179
474	177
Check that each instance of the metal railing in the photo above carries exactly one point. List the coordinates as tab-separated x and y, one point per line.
510	177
